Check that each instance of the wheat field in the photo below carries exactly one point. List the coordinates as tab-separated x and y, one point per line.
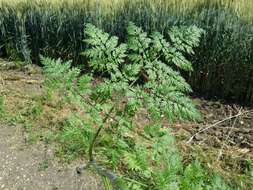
223	63
241	7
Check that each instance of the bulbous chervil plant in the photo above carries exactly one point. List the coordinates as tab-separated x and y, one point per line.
146	68
139	76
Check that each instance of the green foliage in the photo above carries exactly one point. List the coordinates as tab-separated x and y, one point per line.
139	75
75	137
158	60
35	110
152	61
58	78
56	71
195	177
106	56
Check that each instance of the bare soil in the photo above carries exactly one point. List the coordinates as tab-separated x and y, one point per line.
34	167
26	166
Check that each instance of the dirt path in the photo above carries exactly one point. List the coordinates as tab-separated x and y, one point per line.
32	166
21	166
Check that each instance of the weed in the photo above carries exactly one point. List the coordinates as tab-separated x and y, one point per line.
75	137
36	110
141	74
43	165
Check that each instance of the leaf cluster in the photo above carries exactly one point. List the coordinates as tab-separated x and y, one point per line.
147	68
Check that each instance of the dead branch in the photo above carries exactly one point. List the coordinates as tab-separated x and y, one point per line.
229	133
218	123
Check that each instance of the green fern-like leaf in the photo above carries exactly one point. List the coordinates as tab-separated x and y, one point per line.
167	88
106	54
185	38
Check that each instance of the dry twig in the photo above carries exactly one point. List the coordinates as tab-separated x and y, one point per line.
229	133
218	123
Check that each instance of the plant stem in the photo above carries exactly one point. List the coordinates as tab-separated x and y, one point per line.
97	134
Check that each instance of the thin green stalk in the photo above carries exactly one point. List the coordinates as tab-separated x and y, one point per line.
91	158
